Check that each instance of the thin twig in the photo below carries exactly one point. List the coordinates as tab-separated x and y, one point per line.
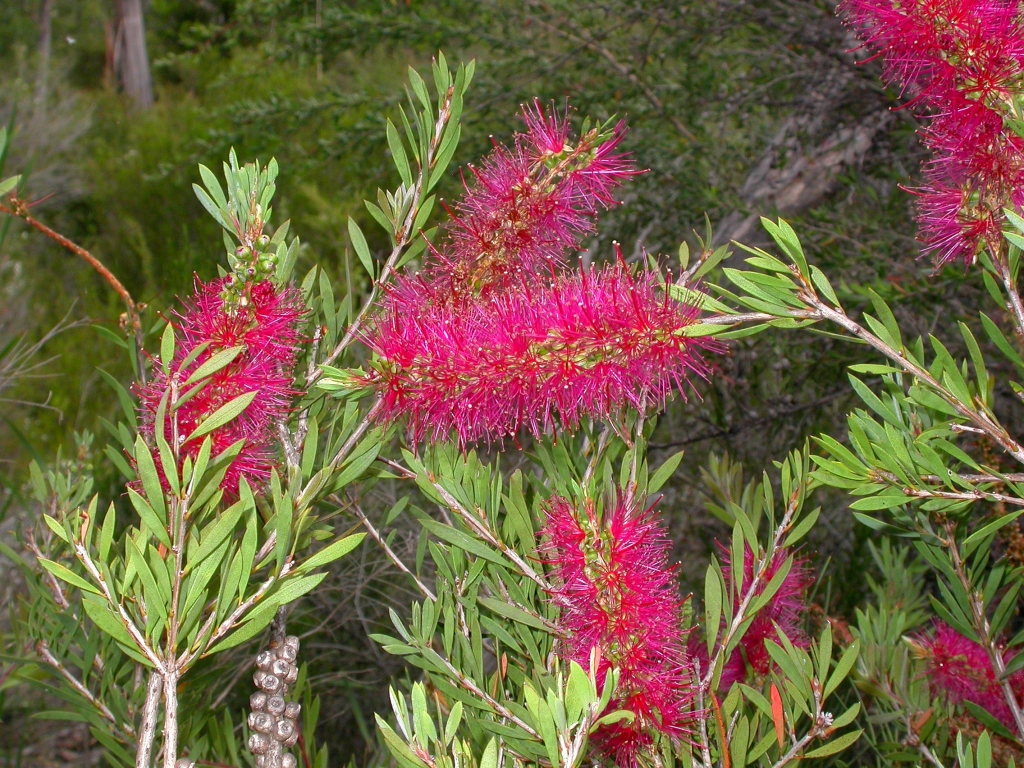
403	236
47	655
129	624
484	532
395	559
170	745
19	209
1016	306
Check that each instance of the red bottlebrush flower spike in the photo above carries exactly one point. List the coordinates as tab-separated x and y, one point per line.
590	343
267	327
964	61
526	206
786	609
960	670
617	593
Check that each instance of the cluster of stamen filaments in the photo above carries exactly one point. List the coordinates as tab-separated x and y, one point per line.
493	260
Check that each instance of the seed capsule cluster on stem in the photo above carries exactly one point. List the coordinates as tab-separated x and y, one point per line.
273	721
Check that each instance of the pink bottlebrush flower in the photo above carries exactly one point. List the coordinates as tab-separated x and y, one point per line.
590	343
786	610
266	324
964	61
527	205
618	594
960	670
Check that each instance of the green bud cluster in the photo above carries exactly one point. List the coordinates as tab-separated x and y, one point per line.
249	265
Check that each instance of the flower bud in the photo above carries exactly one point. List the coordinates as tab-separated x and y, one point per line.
258	701
292	710
288	761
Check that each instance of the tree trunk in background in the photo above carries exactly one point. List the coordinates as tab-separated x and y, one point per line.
131	61
45	44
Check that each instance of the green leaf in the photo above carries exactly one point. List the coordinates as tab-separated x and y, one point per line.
984	532
65	574
150	479
445	153
514	613
835	746
57	528
843	667
8	184
213	186
223	415
398	155
664	472
332	552
452	726
986	719
216	362
490	756
211	208
803	527
822	284
167	348
102	616
213	535
712	605
149	518
462	541
404	756
285	515
361	248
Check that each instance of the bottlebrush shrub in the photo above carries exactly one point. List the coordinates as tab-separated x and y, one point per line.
554	632
961	63
550	630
